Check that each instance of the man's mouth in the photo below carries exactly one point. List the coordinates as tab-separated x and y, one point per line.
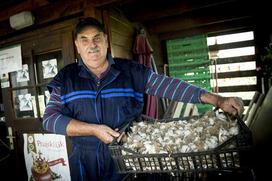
93	50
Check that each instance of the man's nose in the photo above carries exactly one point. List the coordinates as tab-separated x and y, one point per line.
92	43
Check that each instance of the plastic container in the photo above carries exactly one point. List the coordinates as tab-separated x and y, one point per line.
233	154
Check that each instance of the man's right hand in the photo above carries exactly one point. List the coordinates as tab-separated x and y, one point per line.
101	131
105	133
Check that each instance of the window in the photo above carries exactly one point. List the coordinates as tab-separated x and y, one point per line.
224	64
233	66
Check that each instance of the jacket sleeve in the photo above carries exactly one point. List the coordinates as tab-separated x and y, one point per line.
54	120
173	88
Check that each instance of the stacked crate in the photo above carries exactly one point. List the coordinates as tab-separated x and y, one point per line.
188	59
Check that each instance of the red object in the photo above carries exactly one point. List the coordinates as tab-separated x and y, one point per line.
143	52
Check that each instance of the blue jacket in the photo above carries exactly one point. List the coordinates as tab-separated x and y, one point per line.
116	98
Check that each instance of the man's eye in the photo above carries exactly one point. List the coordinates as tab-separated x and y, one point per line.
84	40
97	39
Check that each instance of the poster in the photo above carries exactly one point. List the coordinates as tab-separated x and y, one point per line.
25	102
50	68
46	157
10	59
23	74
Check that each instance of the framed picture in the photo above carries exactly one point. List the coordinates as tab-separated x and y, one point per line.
25	102
23	74
50	68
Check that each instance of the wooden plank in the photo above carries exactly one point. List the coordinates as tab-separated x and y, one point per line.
238	88
27	5
202	17
190	110
248	58
170	109
58	10
178	110
232	45
121	34
125	41
247	73
121	27
121	52
164	10
215	27
45	15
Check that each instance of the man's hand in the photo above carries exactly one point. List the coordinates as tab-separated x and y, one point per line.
102	132
105	133
234	106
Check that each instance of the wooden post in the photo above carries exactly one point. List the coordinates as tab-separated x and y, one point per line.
89	9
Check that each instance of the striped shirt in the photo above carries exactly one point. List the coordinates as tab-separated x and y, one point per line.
157	85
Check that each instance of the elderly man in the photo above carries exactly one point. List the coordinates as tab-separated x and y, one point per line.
90	99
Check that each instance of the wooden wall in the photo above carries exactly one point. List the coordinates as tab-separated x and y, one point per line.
121	35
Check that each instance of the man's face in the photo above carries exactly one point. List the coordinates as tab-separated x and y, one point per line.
92	46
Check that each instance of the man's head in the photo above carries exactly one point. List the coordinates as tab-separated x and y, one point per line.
87	22
91	42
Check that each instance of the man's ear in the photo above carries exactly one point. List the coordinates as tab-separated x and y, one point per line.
76	43
106	40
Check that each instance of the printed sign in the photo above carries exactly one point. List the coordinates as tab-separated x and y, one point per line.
46	157
10	59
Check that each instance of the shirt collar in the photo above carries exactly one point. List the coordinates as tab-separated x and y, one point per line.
85	72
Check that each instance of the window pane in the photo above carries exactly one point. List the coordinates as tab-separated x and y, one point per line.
234	52
220	68
234	81
236	37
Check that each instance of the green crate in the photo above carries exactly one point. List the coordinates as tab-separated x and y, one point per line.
187	43
203	108
185	69
188	49
192	56
190	63
203	83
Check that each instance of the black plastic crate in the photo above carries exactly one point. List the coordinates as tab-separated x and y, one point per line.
233	154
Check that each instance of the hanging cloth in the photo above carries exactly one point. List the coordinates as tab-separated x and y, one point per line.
143	52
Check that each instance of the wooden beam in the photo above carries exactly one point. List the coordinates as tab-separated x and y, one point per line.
227	25
232	45
195	19
247	73
89	10
58	10
30	5
236	59
27	5
46	14
151	12
99	3
238	88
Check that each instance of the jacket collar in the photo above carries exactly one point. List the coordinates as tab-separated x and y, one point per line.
86	73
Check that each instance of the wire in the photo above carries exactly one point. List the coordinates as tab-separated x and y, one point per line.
5	144
5	157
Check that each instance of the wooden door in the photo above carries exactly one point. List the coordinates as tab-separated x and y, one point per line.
44	53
